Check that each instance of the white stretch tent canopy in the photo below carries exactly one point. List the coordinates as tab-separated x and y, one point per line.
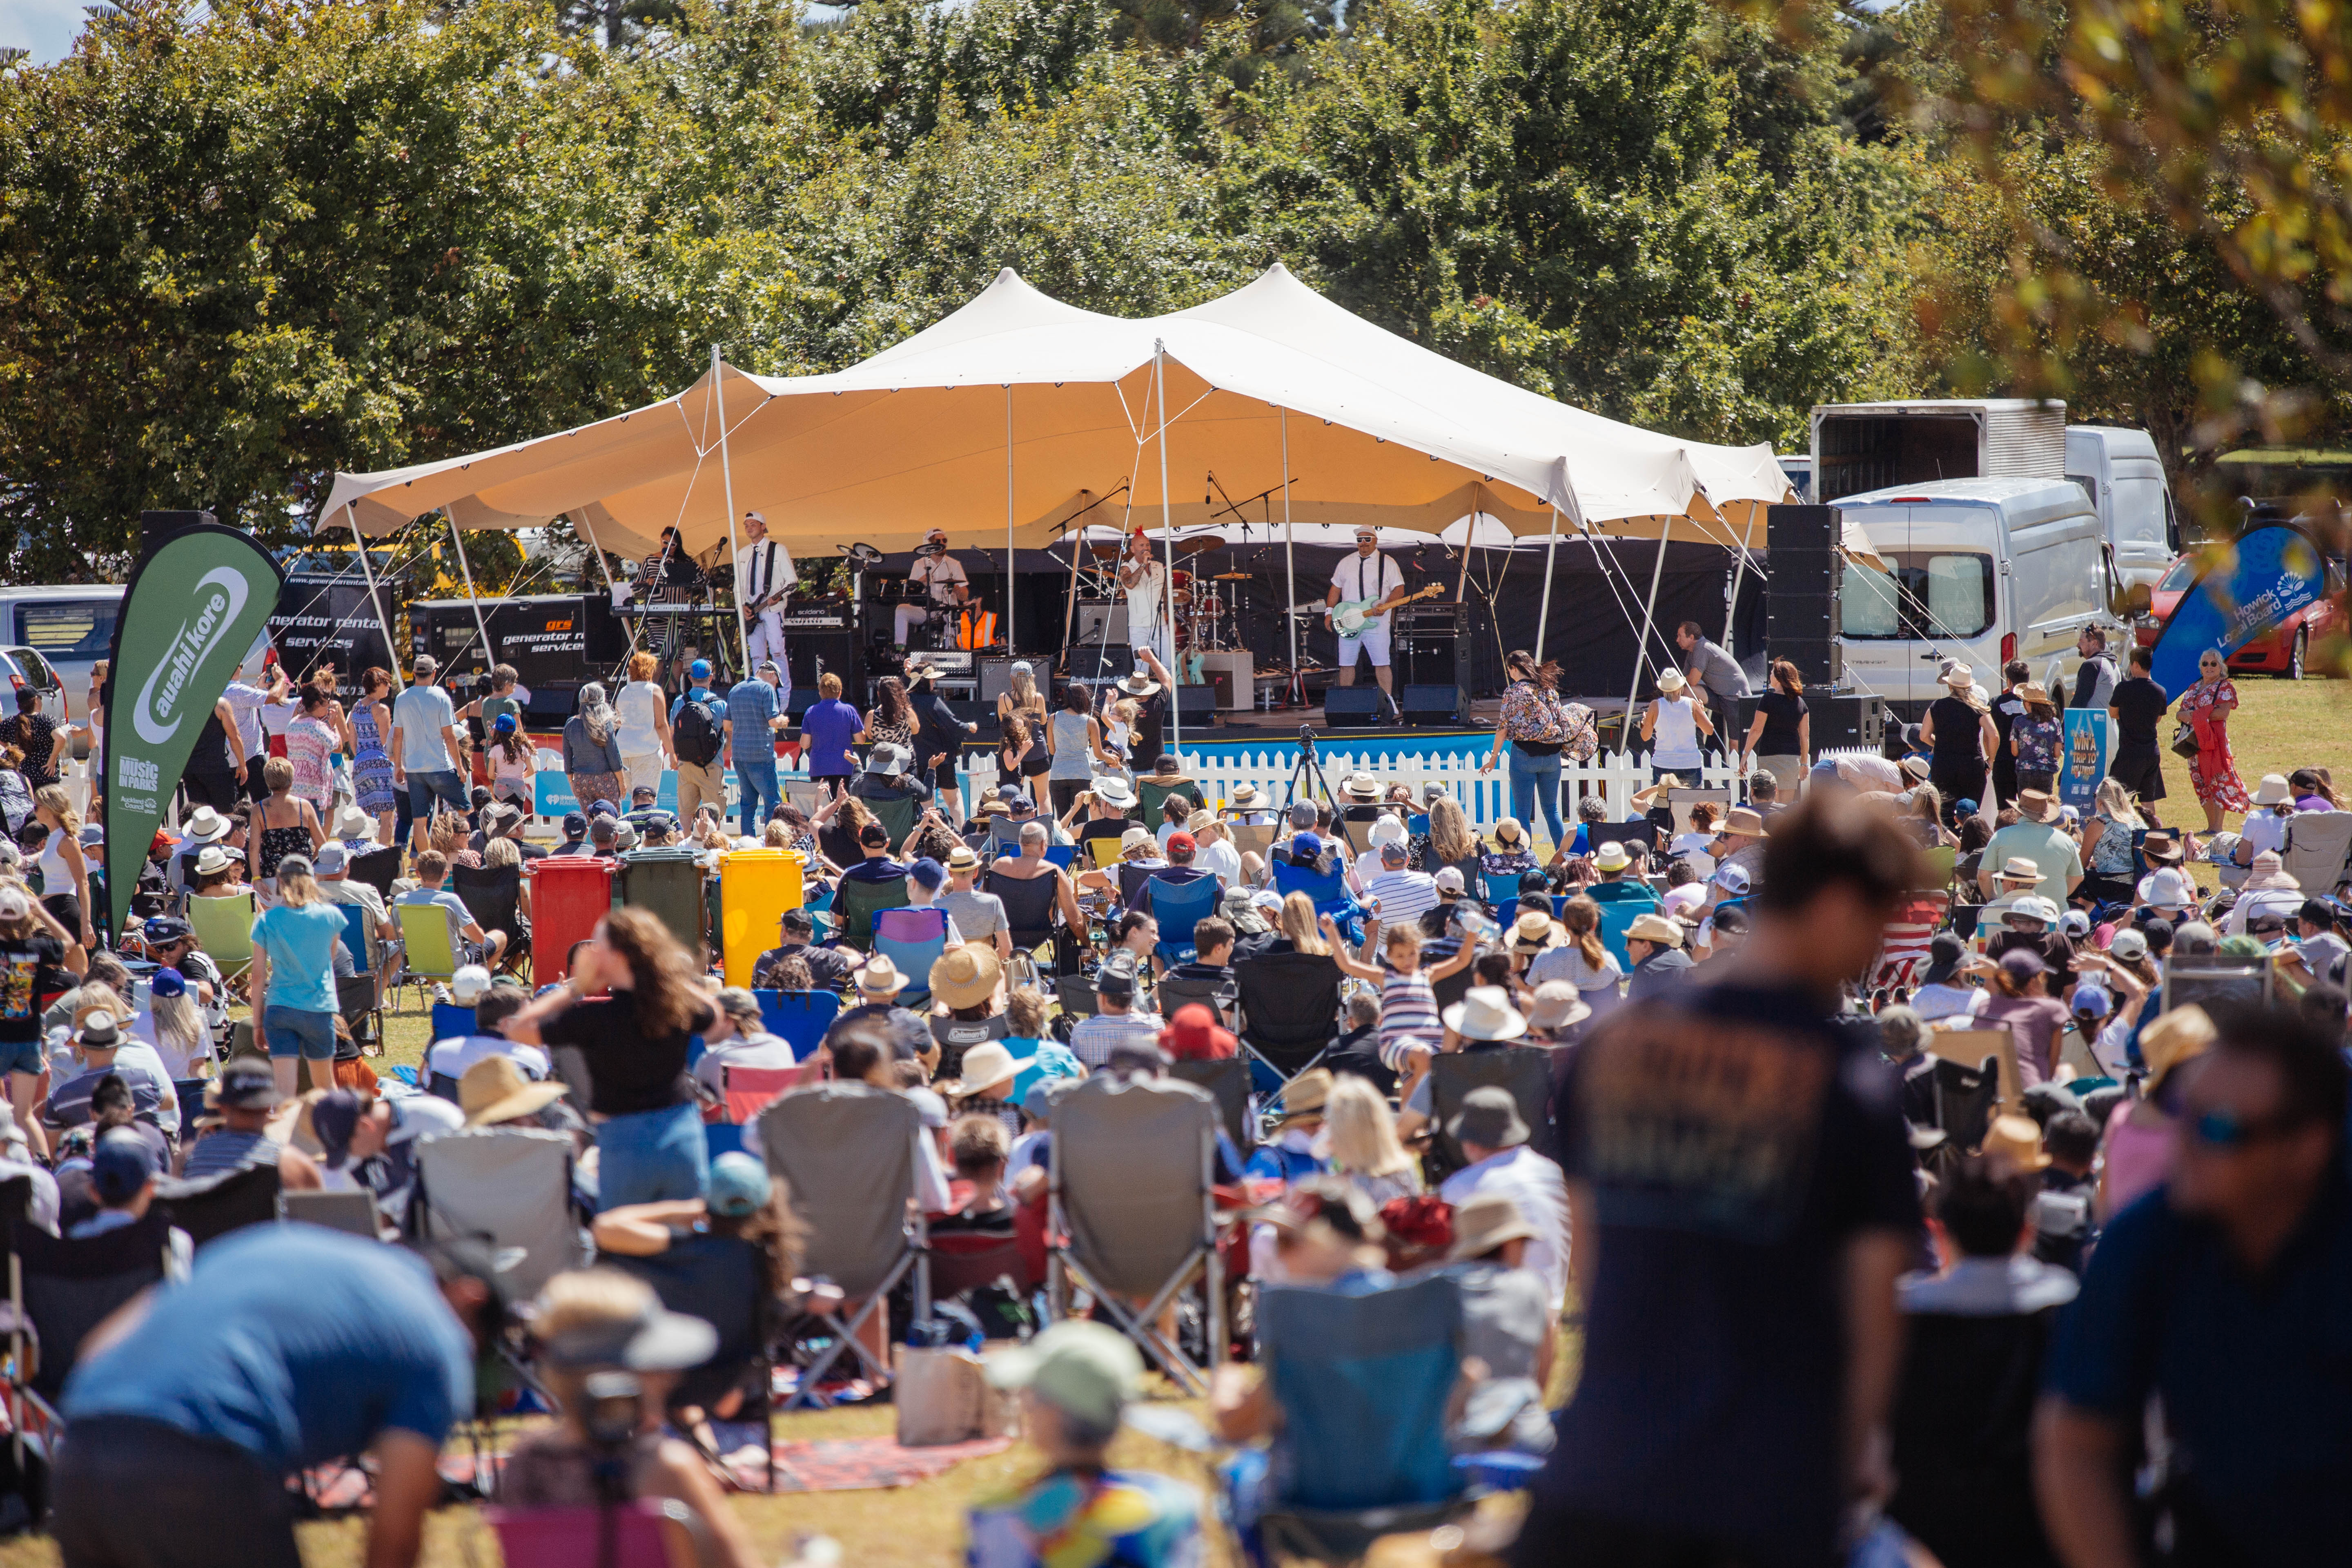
1019	414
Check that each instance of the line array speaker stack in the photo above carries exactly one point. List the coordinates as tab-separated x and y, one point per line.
837	649
1801	604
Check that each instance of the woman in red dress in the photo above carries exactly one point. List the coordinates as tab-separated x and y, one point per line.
2214	771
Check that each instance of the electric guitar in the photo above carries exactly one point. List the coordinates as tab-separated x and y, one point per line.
1351	615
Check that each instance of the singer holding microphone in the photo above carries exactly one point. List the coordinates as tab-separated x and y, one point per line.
945	587
1144	578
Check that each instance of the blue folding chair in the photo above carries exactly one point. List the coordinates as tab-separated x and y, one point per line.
913	940
1362	1380
1061	854
722	1138
451	1021
1178	907
1616	919
355	937
1417	825
1328	894
799	1018
1500	889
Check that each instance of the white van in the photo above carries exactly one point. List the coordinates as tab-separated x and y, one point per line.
1984	571
2121	473
72	628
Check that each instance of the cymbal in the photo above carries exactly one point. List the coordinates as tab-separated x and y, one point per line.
1233	577
1195	546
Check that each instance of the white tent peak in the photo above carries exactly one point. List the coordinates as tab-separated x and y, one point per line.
1009	304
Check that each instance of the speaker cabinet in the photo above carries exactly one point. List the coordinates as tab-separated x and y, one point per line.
1434	703
1196	704
1355	708
1089	627
1088	662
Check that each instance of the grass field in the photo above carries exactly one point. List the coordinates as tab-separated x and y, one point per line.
2280	726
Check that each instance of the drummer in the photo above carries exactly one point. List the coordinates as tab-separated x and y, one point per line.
939	578
1144	579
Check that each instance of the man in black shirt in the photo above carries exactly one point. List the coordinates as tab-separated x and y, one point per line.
2135	712
1150	694
2007	709
939	739
831	968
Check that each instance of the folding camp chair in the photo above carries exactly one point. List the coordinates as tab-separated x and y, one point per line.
1029	906
355	999
1218	995
1063	856
799	1018
493	896
1936	868
1363	1383
668	882
855	903
510	1184
209	1207
1250	836
1178	907
354	1213
1102	854
1500	889
1525	1070
224	927
897	816
649	1532
1151	796
379	869
1132	1214
750	1091
62	1290
359	938
1289	1008
956	1036
721	1280
912	940
2318	844
1328	894
428	953
846	1153
1228	1083
1964	1100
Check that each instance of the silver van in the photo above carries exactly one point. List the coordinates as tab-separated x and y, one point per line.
1983	571
72	628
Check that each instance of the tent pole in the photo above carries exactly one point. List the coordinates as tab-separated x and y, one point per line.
473	595
1551	550
1642	647
1462	589
352	522
1168	547
726	482
1008	519
1289	566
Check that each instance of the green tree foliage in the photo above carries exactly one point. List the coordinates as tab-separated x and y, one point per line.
240	252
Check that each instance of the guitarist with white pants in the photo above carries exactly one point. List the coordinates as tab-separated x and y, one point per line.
1371	584
763	575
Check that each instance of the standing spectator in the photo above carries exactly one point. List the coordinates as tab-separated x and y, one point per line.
1741	1336
650	1142
2006	710
514	761
2135	710
289	1346
33	732
294	974
210	776
592	765
1074	741
1672	725
643	721
939	737
1975	1334
1537	726
65	871
2096	679
1718	679
2036	740
246	701
282	824
36	953
1961	735
2107	846
312	738
425	751
1781	736
2222	1297
828	730
371	721
754	714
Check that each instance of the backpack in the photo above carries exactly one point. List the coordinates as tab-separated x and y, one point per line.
696	735
1584	741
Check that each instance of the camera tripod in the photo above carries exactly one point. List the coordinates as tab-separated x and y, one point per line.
1309	769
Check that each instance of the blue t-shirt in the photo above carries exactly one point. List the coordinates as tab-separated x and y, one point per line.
750	707
702	694
300	943
2256	1381
419	713
294	1344
826	730
1039	1059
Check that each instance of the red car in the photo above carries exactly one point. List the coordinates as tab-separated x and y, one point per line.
2283	650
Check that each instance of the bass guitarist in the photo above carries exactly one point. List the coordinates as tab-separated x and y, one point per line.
764	577
1364	589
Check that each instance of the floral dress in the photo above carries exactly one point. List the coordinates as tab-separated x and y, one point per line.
2214	771
371	763
2037	746
310	745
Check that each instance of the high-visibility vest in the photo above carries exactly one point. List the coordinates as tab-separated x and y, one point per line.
978	629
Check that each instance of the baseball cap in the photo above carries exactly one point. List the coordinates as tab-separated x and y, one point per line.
1732	879
14	905
576	825
1117	975
247	1083
739	1185
1082	1369
648	791
120	1165
503	725
699	669
926	871
1182	840
603	808
470	984
165	928
168	982
1306	844
1449	880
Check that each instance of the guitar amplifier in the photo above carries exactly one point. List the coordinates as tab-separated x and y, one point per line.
1090	623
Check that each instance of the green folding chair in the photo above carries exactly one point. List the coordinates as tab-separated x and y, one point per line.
224	927
854	905
425	931
1152	796
898	817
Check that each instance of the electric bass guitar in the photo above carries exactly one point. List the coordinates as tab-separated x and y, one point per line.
1351	615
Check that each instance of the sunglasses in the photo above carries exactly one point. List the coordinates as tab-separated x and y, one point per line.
2223	1128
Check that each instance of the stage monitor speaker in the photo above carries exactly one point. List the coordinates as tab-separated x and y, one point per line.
1355	708
1846	719
154	527
1196	704
995	676
1439	703
1089	627
1113	659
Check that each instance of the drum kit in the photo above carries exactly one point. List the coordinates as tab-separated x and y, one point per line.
1208	617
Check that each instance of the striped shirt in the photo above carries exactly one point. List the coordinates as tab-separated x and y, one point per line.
1408	1011
229	1149
1095	1039
1401	896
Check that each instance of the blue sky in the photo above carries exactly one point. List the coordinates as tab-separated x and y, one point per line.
46	27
